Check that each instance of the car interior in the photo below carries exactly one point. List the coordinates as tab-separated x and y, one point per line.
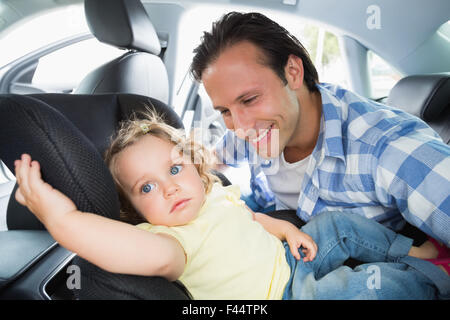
68	132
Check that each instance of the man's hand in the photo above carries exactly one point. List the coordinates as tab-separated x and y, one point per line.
296	239
40	198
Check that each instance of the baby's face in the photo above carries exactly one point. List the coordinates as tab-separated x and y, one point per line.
162	185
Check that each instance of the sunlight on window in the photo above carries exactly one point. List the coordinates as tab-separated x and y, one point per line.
63	69
37	32
444	30
382	76
322	45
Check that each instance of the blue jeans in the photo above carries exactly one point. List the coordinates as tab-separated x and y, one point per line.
388	274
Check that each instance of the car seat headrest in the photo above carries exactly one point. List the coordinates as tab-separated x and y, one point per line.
123	24
69	161
426	96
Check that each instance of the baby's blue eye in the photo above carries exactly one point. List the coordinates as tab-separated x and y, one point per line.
147	187
175	169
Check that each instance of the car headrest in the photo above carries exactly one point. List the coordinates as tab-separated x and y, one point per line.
123	24
426	96
69	161
97	115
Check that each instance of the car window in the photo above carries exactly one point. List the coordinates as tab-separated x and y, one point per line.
323	47
60	70
444	30
321	43
63	69
41	30
382	76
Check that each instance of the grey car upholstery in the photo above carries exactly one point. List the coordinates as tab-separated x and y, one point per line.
427	97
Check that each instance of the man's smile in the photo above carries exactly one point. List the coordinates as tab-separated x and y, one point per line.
262	135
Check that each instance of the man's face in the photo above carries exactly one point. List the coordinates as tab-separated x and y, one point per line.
253	100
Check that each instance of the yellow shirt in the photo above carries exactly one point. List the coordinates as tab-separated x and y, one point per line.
229	255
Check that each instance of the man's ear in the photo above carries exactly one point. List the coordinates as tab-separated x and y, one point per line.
294	72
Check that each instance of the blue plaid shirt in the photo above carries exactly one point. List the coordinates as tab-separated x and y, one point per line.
370	159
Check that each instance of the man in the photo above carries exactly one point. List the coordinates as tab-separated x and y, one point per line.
317	147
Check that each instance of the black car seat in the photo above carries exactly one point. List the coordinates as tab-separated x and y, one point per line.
426	96
126	25
67	134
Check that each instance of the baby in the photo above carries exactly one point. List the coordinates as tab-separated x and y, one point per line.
191	228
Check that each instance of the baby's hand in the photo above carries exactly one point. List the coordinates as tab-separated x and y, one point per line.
42	200
296	239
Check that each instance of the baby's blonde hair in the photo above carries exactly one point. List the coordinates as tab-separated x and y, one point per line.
132	130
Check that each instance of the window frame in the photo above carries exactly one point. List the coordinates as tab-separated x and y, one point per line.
11	71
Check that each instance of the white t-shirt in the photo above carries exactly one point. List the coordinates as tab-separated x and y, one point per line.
286	181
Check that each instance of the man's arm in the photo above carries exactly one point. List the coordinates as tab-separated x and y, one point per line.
413	173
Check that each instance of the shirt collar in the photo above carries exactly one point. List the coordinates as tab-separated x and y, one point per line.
329	142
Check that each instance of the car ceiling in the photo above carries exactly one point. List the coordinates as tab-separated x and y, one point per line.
407	32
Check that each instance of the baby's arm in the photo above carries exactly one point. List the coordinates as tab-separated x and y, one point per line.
286	231
112	245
